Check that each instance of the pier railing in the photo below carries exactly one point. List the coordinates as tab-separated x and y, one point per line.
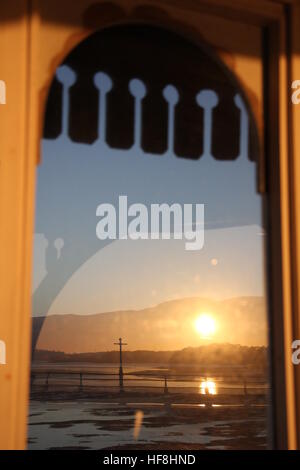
82	380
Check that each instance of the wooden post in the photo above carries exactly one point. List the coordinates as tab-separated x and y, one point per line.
245	388
166	391
47	380
121	380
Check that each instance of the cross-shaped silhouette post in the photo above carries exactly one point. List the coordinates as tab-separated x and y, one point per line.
120	344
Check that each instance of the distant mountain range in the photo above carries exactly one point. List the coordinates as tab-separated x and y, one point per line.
169	326
205	356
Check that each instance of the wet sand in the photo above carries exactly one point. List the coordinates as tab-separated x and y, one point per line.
89	420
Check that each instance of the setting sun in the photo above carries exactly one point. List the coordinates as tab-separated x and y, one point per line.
205	325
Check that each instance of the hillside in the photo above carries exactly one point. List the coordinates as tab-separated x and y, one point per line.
209	355
168	326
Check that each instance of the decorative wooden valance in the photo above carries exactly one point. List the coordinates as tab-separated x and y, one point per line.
142	86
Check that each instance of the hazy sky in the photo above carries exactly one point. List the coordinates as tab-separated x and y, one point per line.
137	274
74	179
95	276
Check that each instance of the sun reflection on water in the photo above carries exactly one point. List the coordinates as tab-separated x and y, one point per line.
208	387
